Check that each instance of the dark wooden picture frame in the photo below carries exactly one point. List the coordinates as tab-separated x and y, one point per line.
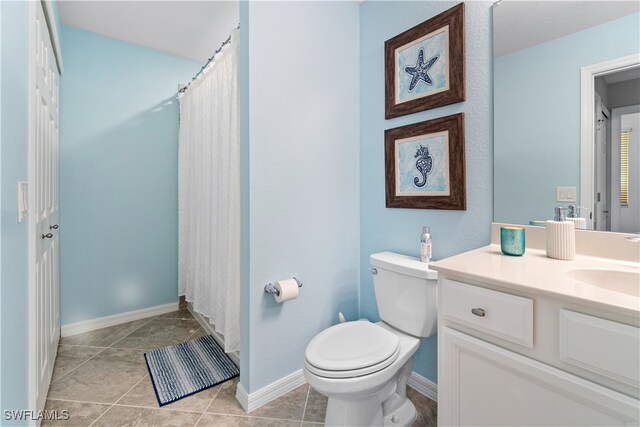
454	65
451	126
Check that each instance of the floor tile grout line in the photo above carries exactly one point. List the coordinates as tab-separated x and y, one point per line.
151	349
306	402
126	405
150	319
72	370
253	416
81	345
122	397
208	406
130	348
106	327
100	416
113	345
112	405
195	332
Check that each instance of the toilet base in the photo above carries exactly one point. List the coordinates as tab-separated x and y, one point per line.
387	407
368	412
404	416
360	413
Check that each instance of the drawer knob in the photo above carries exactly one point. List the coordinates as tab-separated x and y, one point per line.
478	311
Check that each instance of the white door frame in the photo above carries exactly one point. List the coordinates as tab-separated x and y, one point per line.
587	92
32	232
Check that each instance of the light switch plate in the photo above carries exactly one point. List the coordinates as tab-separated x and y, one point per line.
23	201
566	194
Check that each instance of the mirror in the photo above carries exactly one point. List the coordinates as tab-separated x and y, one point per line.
567	112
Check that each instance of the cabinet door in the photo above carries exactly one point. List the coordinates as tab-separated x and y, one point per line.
481	384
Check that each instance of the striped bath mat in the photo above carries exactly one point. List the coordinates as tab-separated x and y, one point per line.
181	370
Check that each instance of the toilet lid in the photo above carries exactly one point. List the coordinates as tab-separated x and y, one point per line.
351	345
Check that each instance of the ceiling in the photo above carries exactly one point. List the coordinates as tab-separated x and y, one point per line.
193	29
520	24
622	76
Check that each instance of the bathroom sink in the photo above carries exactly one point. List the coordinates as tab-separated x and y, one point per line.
626	282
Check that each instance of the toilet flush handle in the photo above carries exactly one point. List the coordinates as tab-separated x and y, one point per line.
374	270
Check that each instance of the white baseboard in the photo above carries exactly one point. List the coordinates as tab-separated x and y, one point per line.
242	397
253	401
204	323
270	392
424	386
115	319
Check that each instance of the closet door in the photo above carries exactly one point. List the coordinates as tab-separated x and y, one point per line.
44	317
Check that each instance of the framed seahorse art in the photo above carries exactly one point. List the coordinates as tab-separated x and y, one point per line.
424	66
425	165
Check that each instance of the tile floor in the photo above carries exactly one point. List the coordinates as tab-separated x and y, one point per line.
101	379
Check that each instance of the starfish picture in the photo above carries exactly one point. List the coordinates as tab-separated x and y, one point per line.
421	70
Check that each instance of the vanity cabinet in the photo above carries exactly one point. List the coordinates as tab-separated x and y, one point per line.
499	365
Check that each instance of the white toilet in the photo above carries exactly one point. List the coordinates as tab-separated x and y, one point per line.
363	367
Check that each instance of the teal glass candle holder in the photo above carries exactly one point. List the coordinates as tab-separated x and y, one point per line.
538	223
512	241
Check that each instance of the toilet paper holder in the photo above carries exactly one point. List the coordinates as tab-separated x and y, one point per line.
270	289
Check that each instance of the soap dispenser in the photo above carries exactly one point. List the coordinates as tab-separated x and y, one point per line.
572	215
561	236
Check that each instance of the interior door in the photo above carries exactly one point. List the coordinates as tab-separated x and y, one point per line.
601	164
43	206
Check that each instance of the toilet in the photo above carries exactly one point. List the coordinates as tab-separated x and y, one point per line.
363	367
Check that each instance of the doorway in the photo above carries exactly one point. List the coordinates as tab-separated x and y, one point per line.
625	165
597	156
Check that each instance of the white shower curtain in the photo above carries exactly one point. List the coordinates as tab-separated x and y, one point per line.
209	195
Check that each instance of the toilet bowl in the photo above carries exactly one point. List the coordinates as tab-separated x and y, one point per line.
362	375
363	367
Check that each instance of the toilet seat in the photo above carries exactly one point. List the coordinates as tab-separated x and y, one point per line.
351	349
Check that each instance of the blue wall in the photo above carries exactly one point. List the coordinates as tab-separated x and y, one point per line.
1	204
537	110
399	230
13	167
118	175
304	193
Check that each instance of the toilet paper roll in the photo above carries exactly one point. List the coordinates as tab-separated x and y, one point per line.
287	289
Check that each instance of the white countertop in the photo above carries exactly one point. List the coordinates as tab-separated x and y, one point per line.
535	272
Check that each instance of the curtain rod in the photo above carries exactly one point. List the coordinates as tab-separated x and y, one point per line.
209	61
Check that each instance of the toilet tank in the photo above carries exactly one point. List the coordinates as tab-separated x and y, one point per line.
406	293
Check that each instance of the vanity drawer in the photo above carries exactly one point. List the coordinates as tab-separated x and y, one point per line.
601	346
499	314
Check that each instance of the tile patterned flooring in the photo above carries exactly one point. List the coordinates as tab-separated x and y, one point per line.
101	379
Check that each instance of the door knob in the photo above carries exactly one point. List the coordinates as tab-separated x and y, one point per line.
47	236
53	227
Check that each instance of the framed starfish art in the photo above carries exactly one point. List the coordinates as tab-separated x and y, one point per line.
425	165
424	66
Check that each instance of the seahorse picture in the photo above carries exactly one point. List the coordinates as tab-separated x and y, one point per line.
423	165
